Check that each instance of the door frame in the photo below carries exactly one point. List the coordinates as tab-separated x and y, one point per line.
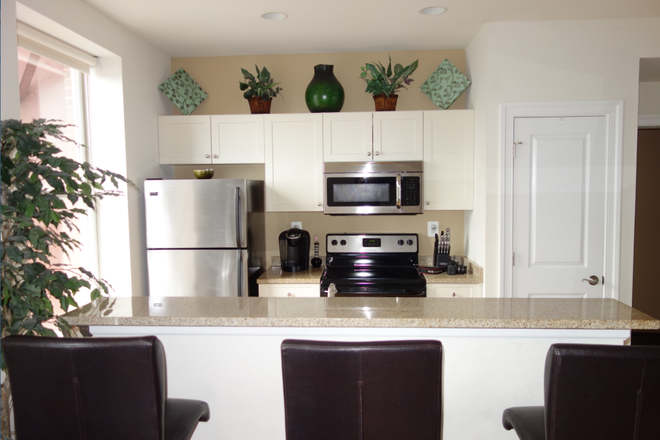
613	112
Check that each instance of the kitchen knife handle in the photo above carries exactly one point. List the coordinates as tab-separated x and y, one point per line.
398	191
239	231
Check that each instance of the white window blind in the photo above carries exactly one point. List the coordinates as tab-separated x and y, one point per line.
48	46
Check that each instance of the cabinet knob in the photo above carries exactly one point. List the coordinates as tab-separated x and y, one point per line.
377	153
207	156
288	294
452	294
215	156
319	204
368	153
426	203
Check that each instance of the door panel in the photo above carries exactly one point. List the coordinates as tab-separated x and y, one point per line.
559	186
197	272
195	213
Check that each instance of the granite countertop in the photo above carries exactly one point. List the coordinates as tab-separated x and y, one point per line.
275	275
541	313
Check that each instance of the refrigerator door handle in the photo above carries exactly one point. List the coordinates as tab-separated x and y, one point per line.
239	234
239	275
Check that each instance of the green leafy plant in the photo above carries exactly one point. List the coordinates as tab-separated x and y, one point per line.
385	80
43	193
262	85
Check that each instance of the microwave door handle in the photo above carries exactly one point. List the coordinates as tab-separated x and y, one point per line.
398	191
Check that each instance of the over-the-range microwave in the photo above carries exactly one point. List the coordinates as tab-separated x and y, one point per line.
372	187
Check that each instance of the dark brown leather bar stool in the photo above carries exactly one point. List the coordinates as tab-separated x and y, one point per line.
362	390
95	388
602	392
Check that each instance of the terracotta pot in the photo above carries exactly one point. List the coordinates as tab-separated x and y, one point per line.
385	103
258	105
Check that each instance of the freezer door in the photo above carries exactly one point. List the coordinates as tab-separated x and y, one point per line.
198	272
196	213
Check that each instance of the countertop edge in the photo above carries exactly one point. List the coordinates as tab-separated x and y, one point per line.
558	324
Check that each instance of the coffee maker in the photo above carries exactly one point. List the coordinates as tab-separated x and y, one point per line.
294	250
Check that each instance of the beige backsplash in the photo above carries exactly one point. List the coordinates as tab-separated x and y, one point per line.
316	223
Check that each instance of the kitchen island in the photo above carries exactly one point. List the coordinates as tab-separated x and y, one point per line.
226	351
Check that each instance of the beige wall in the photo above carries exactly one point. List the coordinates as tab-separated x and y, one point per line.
649	98
316	223
219	77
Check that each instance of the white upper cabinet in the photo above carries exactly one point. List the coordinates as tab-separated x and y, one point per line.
206	139
448	160
294	162
373	136
347	137
184	139
237	138
398	136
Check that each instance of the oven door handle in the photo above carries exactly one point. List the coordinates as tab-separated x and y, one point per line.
398	191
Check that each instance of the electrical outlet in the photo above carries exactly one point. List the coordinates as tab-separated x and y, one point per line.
298	225
432	229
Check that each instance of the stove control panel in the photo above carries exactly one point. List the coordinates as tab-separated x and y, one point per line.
372	243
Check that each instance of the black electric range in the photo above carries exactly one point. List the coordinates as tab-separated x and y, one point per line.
373	265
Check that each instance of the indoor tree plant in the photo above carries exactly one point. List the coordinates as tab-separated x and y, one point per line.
383	82
43	193
259	90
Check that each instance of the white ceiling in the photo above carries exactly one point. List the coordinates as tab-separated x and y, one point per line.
194	28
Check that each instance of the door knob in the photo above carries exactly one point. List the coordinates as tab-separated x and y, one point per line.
593	280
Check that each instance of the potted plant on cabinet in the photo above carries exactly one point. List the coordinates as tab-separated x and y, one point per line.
259	90
383	82
43	193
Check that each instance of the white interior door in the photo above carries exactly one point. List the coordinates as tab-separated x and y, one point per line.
559	207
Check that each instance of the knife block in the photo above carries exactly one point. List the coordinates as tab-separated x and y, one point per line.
440	260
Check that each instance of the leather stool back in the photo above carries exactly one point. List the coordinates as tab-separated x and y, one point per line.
602	392
94	388
362	390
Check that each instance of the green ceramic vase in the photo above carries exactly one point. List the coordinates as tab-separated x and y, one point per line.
325	93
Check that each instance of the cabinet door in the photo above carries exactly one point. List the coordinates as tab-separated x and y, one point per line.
449	290
289	290
448	159
237	138
294	162
184	139
347	137
398	136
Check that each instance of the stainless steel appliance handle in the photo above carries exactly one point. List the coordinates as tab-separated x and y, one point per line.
398	191
239	231
239	275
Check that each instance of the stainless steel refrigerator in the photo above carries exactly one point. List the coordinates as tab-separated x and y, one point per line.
204	237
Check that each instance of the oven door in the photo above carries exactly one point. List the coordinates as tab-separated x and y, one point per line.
372	193
371	290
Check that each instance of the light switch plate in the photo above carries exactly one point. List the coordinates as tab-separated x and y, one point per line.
432	229
296	225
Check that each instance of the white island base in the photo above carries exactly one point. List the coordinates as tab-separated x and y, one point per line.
237	370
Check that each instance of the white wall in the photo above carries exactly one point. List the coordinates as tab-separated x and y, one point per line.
132	71
580	60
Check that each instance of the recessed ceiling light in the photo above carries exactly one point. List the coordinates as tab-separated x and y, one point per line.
274	16
433	10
